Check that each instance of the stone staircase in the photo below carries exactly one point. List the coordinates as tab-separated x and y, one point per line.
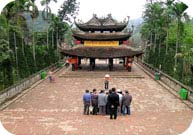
97	74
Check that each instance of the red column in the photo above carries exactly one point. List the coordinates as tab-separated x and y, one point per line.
129	64
74	62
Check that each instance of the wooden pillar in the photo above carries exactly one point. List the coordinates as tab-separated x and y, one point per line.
124	62
79	61
74	62
110	64
92	64
129	64
73	67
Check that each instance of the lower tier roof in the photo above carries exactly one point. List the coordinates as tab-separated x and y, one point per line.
102	36
102	52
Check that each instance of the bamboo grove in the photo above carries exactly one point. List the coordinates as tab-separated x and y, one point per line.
167	37
24	49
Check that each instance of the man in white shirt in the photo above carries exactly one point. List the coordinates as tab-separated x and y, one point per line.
119	92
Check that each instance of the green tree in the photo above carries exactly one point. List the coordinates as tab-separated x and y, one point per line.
179	9
14	12
33	9
4	50
46	14
68	10
186	52
168	13
167	32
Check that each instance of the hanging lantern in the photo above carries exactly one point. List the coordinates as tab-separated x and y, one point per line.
78	42
125	42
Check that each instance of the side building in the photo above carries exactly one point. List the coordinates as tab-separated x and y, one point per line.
101	38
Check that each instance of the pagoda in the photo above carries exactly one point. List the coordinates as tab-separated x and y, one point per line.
101	38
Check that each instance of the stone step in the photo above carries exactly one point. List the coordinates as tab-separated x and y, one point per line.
99	73
94	75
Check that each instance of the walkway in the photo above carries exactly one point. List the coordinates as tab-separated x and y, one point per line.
56	109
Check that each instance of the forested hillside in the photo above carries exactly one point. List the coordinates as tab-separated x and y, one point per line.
39	23
28	43
136	36
167	36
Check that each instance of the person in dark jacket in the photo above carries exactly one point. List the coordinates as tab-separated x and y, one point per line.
94	100
108	105
126	102
86	101
113	100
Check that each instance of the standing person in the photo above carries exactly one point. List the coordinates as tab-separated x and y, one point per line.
94	101
113	100
50	76
107	105
106	82
67	64
86	101
102	102
126	101
119	92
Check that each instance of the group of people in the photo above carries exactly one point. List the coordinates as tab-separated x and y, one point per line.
110	102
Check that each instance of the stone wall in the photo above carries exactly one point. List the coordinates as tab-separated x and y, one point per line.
168	80
16	89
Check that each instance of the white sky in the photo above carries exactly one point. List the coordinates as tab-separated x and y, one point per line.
119	9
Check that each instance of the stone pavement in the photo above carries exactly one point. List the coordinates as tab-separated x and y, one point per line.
56	109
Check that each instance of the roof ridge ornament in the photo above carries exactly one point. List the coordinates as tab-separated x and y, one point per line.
94	16
131	29
109	15
101	24
109	20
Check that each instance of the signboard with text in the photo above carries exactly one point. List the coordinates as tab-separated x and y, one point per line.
101	43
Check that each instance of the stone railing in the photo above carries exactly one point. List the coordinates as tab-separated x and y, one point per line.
24	84
168	80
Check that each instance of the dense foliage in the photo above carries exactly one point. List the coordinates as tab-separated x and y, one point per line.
29	40
167	35
68	10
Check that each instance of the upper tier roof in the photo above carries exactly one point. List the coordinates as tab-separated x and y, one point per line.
102	24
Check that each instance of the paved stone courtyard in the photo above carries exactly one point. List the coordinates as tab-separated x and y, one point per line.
56	109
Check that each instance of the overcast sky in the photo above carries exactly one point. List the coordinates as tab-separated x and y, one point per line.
119	9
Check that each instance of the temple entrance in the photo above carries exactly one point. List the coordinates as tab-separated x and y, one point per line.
95	64
108	64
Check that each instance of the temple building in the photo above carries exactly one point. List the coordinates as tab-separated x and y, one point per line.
101	38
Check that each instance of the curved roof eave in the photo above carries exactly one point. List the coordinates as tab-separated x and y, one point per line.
102	37
102	52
